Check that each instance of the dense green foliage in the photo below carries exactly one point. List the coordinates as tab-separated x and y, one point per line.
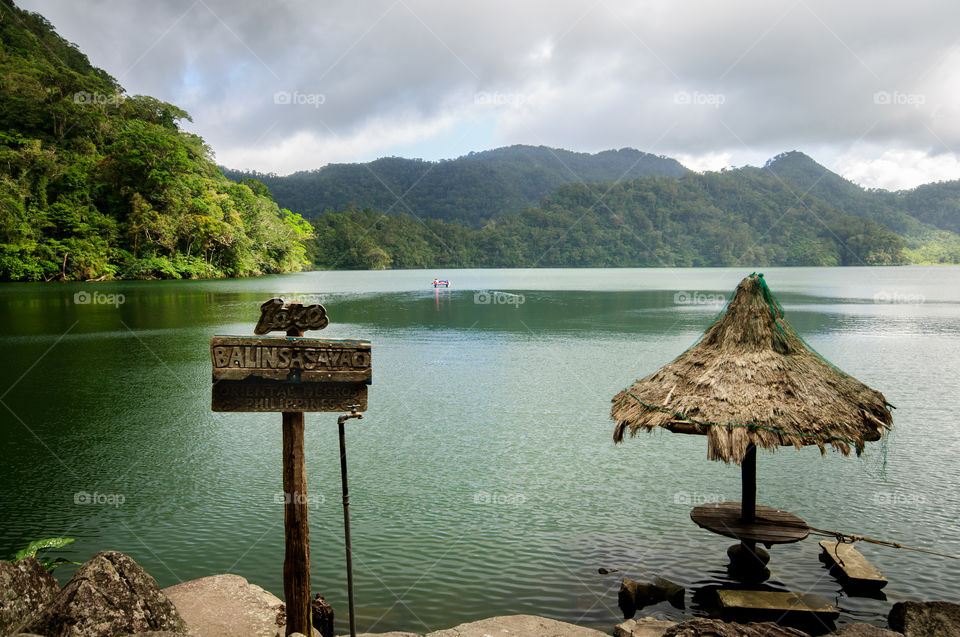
928	217
793	212
97	184
471	189
744	217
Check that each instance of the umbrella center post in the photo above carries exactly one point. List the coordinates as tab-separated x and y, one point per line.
748	484
748	562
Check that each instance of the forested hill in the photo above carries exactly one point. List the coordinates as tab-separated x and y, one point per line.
746	217
98	184
928	217
470	189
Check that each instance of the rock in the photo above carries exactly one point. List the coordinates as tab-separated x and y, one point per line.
624	629
321	615
25	588
645	627
517	626
633	595
394	633
674	593
919	619
627	597
703	627
108	595
228	605
862	629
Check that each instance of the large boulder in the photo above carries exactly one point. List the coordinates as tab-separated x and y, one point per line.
703	627
518	626
919	619
25	588
228	605
108	595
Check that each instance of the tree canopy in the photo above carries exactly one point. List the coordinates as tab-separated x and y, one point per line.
745	217
98	184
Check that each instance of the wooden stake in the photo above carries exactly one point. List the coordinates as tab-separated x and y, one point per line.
296	561
296	526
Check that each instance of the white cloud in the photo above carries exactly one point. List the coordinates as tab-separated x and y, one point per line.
760	76
302	150
898	169
705	162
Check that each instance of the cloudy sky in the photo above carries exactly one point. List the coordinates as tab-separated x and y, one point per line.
868	89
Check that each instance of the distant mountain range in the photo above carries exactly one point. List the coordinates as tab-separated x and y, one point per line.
470	189
529	206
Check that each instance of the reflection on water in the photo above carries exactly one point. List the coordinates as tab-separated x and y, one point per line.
484	480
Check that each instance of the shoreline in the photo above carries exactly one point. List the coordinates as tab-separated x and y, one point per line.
495	268
111	595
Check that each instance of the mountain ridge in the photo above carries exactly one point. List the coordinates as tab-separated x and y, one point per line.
898	209
470	189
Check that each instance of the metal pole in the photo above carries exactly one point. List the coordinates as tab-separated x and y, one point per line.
346	514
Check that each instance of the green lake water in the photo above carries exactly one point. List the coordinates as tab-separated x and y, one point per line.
484	479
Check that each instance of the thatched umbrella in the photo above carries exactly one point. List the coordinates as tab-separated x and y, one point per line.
752	381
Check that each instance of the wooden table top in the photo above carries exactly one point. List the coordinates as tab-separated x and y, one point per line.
771	526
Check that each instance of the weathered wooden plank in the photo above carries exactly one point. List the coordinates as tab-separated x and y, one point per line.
770	526
852	565
273	396
290	358
785	602
296	525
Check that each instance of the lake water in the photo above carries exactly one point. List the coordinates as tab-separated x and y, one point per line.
484	480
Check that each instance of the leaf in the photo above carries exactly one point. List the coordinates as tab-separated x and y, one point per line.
52	564
40	545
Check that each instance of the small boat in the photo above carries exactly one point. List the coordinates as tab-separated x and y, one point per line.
441	283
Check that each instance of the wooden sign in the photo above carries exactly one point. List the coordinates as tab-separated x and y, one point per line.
293	375
239	395
271	373
274	316
294	359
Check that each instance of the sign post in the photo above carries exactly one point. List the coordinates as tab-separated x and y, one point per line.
292	375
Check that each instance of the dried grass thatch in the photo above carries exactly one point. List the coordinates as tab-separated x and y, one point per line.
751	379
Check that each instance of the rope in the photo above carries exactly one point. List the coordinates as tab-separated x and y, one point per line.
843	537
